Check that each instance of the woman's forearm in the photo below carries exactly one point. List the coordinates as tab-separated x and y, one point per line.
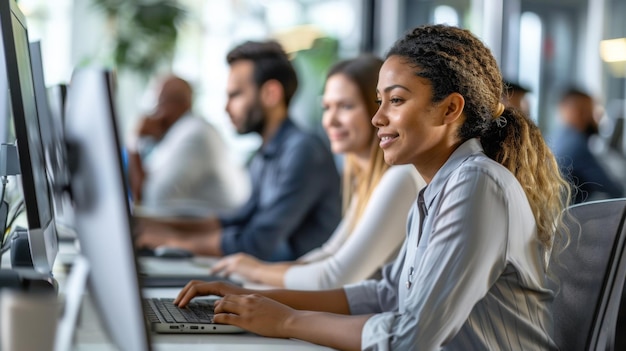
336	331
332	301
267	317
183	225
270	274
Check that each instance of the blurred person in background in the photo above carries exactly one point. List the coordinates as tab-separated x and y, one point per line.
515	96
295	203
178	161
376	197
570	144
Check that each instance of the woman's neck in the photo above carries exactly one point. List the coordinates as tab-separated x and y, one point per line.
361	160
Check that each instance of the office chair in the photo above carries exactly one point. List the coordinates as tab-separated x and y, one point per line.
620	338
589	275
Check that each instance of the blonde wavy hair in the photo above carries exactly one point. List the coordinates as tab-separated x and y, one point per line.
357	182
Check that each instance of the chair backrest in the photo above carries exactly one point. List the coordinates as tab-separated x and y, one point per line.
620	338
589	276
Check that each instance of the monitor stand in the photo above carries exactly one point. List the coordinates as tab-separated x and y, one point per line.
20	274
27	280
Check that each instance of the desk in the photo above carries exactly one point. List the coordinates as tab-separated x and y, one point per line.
91	336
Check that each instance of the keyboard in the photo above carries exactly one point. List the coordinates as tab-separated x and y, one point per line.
159	310
178	281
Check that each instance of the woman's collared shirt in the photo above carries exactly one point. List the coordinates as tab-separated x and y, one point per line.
473	278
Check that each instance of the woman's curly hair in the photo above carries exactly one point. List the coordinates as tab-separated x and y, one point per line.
454	60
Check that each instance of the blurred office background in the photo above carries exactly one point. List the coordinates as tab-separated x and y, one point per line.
543	44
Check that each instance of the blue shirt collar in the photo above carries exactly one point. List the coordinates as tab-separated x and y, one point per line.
270	149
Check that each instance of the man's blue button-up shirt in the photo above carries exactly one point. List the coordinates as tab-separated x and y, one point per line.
295	203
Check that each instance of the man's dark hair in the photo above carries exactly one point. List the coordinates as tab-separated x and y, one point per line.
270	62
511	87
574	92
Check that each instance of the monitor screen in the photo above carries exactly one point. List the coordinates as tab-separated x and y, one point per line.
23	106
56	98
51	127
102	213
7	136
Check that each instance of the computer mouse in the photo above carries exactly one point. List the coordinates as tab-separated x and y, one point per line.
172	252
144	252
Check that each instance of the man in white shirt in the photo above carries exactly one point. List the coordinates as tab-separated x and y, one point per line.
179	161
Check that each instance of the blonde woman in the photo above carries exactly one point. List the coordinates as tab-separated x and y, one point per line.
377	198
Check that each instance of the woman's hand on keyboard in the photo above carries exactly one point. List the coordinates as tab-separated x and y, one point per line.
201	288
255	313
241	264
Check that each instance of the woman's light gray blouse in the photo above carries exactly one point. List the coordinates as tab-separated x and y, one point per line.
473	279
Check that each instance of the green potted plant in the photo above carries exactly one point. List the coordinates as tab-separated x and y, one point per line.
144	32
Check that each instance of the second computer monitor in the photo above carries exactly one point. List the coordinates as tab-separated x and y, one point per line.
102	213
17	73
52	138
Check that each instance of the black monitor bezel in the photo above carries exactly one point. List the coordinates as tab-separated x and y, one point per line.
45	228
51	133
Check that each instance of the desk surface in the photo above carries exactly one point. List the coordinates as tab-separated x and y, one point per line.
91	336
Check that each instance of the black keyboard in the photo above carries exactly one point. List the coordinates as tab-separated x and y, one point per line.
164	310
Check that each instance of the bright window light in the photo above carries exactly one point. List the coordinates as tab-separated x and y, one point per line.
530	61
446	15
613	50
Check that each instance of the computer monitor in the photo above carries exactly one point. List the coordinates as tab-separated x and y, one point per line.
51	127
102	213
6	124
41	98
17	72
57	95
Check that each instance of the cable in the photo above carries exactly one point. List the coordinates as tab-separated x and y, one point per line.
17	212
7	233
4	249
6	240
5	180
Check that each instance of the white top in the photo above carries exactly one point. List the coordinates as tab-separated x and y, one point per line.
191	166
474	280
351	257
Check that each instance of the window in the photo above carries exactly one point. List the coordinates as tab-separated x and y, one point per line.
530	61
446	15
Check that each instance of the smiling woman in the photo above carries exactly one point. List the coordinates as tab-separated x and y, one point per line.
343	107
479	234
410	126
